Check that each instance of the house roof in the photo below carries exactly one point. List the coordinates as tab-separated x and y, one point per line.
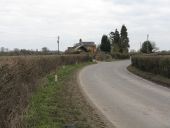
85	44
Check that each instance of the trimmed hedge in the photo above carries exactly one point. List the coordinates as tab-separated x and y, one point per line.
19	77
103	57
120	56
154	64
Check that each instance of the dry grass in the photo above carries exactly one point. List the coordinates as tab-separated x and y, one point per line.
19	77
61	103
150	76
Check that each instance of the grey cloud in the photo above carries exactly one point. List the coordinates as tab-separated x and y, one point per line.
34	24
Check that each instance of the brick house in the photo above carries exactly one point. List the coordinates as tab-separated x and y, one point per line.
82	47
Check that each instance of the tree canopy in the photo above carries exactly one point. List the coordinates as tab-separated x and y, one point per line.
146	47
120	41
116	38
105	44
124	39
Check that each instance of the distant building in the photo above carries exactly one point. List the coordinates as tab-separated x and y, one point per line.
82	47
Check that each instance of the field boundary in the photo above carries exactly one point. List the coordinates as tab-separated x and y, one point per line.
19	78
67	105
161	80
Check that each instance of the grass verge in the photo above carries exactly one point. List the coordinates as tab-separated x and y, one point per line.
61	103
150	76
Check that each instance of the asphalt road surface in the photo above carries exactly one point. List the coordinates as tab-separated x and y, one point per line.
126	100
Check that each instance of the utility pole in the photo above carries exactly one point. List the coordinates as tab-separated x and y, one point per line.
58	41
148	43
148	37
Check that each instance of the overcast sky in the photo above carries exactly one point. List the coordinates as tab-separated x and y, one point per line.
32	24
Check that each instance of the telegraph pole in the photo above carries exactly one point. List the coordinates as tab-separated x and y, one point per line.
148	37
148	43
58	41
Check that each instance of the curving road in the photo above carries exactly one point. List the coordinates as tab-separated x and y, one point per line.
126	100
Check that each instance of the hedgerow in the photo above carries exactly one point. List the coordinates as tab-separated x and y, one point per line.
154	64
118	55
19	77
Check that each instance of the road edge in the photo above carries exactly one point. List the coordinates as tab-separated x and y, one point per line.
100	114
160	80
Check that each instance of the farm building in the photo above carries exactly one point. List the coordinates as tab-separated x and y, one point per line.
82	47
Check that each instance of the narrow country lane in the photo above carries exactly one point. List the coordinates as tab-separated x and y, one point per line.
126	100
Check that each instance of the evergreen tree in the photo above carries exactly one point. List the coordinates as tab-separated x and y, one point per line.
111	36
146	47
124	39
105	44
116	41
116	38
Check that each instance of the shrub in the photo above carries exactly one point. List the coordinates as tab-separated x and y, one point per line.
154	64
103	57
19	78
118	55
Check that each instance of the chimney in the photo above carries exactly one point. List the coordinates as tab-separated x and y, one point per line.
80	41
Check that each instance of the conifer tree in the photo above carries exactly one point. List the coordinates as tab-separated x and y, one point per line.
116	38
146	47
116	41
105	44
124	39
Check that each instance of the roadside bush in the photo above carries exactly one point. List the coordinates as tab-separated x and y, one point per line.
120	55
154	64
103	57
19	77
